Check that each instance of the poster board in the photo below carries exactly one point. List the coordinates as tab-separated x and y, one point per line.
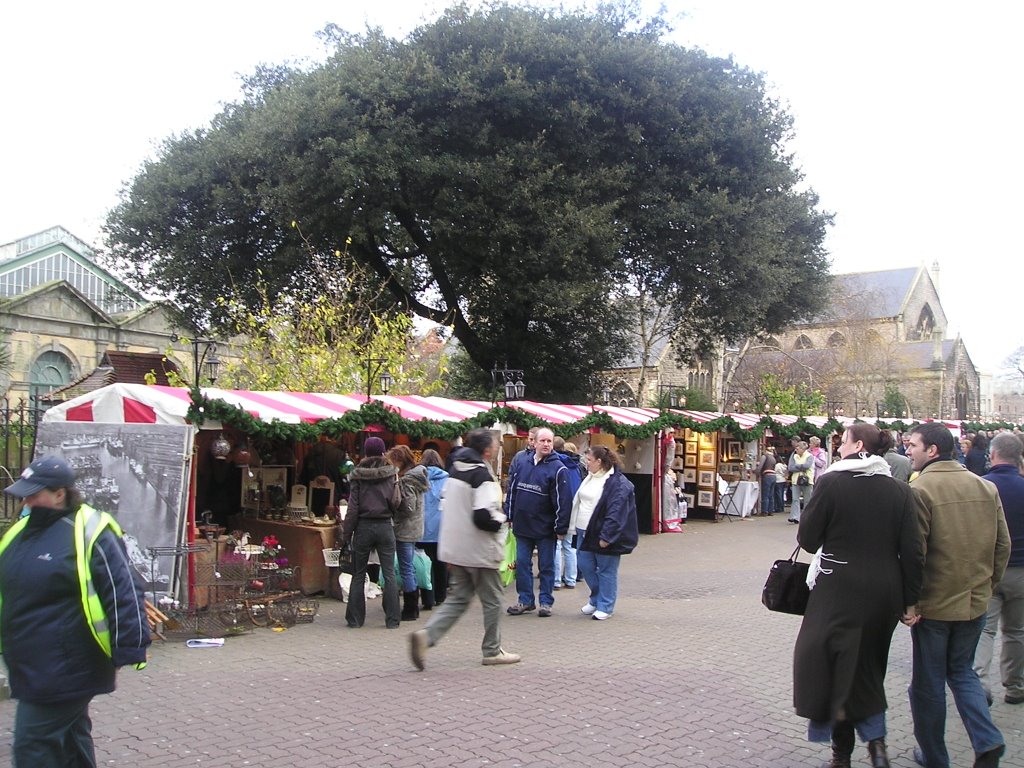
139	474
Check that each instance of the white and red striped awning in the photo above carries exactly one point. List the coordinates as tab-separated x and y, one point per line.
144	404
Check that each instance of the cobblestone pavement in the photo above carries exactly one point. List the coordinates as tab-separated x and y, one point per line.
691	671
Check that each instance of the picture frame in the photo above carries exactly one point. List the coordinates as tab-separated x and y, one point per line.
706	499
707	459
706	440
690	460
689	475
733	450
691	447
706	478
689	498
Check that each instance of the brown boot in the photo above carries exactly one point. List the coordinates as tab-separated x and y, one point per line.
879	757
842	745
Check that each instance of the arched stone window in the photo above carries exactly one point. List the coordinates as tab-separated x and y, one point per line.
772	342
803	342
50	371
925	325
837	340
622	395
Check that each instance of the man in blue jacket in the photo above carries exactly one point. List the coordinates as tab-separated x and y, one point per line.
538	502
71	614
1007	601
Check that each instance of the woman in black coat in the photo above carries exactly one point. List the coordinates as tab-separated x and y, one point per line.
866	572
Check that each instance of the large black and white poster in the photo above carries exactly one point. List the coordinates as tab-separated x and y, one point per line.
139	474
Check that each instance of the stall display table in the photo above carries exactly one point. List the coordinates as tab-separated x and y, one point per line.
744	500
303	546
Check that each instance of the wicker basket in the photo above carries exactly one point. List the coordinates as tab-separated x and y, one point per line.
331	557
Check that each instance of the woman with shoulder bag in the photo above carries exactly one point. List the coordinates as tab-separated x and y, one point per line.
801	478
866	572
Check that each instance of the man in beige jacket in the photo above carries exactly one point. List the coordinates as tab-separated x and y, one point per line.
967	545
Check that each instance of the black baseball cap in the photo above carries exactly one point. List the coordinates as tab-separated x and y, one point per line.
45	472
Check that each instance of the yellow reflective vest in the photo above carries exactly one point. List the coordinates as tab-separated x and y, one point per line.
89	524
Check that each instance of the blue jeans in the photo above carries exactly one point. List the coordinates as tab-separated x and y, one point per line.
944	655
601	572
564	548
780	495
406	551
524	569
801	495
768	494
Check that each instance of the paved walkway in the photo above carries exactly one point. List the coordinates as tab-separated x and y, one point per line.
691	671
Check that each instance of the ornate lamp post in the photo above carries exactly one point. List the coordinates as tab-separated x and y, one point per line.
508	382
204	357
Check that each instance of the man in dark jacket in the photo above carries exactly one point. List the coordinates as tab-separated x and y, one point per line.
64	629
1007	602
538	503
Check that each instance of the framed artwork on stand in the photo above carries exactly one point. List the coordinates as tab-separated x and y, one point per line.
707	459
706	478
689	475
691	447
691	461
689	499
706	499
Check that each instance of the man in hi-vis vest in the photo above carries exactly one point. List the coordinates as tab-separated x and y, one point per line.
70	615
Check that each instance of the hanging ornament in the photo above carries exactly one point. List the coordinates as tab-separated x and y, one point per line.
220	448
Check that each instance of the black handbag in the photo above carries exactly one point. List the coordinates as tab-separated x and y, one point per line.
786	590
802	480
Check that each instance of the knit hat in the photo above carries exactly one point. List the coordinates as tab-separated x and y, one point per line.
45	472
373	446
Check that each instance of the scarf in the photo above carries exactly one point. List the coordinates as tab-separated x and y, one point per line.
864	466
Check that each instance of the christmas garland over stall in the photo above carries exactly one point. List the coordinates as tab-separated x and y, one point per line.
376	413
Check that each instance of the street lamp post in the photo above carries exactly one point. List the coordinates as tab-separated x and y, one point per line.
373	369
509	381
671	396
204	357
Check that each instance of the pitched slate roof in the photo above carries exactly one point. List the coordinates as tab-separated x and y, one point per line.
885	291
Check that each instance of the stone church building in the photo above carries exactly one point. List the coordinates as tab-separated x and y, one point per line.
879	347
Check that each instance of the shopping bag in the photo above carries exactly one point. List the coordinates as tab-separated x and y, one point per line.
786	589
508	565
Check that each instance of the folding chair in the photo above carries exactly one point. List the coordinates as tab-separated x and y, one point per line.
726	499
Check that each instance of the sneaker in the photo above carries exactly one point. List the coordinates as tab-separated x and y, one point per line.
570	586
588	609
1014	698
545	611
557	585
419	641
601	615
501	657
519	609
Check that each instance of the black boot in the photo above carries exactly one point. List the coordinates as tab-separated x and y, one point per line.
410	606
879	757
428	598
842	745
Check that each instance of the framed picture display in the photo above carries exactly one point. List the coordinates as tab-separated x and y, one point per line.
689	499
707	459
689	475
706	439
706	478
691	460
705	498
733	450
691	446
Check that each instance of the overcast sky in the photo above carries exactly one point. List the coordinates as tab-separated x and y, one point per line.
906	116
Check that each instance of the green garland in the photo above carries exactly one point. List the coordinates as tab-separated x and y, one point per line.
376	413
